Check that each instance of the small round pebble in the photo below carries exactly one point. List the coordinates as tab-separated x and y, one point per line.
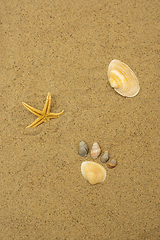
112	163
105	156
83	149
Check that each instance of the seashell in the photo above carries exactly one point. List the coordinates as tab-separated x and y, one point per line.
104	158
83	149
95	151
93	172
123	79
112	163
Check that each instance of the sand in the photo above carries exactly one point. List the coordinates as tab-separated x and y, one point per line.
65	47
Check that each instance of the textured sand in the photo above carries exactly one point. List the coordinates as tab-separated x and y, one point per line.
65	47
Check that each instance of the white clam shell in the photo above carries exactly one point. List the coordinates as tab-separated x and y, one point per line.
95	151
83	149
93	172
123	79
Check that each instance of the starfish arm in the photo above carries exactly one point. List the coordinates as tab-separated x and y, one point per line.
35	111
54	115
47	105
37	122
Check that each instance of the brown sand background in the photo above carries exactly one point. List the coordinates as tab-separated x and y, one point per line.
64	47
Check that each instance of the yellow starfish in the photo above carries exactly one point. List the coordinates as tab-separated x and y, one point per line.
44	115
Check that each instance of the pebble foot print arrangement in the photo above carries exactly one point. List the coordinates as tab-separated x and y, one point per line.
94	172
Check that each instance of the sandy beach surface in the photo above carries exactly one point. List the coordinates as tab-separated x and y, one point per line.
65	47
